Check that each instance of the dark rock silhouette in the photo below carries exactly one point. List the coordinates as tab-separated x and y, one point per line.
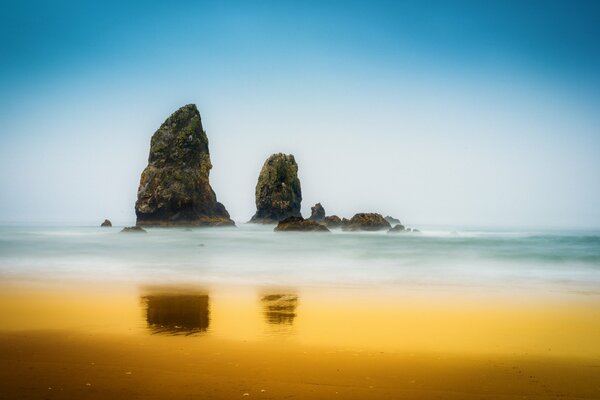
278	193
366	222
133	229
392	220
317	212
332	221
174	188
397	228
300	224
106	224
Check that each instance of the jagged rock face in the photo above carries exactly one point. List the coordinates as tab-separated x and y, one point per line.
317	213
366	222
174	188
300	224
278	193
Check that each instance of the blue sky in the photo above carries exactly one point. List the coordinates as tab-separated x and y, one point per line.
468	112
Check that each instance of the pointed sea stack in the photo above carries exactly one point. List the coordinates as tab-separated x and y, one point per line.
174	188
278	193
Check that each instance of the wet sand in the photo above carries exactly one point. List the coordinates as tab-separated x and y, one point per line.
118	340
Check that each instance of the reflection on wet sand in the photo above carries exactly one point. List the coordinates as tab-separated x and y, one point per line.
177	314
280	308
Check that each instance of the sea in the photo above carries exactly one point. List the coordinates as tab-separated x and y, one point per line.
252	254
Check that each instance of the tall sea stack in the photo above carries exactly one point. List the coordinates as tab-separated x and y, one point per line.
278	193
174	188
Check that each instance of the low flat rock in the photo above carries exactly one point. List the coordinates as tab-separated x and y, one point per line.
366	222
133	229
299	224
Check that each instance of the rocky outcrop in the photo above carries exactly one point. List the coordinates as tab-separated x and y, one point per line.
332	221
174	188
106	224
133	229
317	213
392	220
401	229
278	193
366	222
300	224
396	229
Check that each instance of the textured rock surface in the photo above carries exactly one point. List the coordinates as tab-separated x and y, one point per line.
366	222
174	188
133	229
300	224
392	220
278	193
317	212
332	221
106	224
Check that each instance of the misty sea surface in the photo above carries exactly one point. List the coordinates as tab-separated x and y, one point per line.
256	255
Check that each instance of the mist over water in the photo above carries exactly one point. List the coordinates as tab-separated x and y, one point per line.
255	255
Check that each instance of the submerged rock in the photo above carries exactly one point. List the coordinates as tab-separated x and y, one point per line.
332	221
174	188
366	222
133	229
392	220
300	224
278	193
317	213
397	228
106	224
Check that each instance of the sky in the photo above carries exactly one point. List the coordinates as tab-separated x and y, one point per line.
460	113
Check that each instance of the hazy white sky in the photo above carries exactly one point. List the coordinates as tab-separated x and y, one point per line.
375	125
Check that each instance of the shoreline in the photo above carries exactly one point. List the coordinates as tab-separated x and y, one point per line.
294	342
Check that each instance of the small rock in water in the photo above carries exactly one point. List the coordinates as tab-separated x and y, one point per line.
106	224
365	222
392	220
397	228
133	229
300	224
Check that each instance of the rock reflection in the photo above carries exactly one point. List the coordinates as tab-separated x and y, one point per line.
177	313
280	308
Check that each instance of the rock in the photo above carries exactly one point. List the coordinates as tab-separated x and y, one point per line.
133	229
392	220
300	224
278	193
174	188
332	221
416	230
106	224
397	228
317	213
366	222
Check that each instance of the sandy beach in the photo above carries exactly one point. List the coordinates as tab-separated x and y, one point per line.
117	340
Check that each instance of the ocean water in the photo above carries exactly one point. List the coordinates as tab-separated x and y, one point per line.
255	254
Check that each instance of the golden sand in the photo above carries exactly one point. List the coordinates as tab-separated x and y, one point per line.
121	341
